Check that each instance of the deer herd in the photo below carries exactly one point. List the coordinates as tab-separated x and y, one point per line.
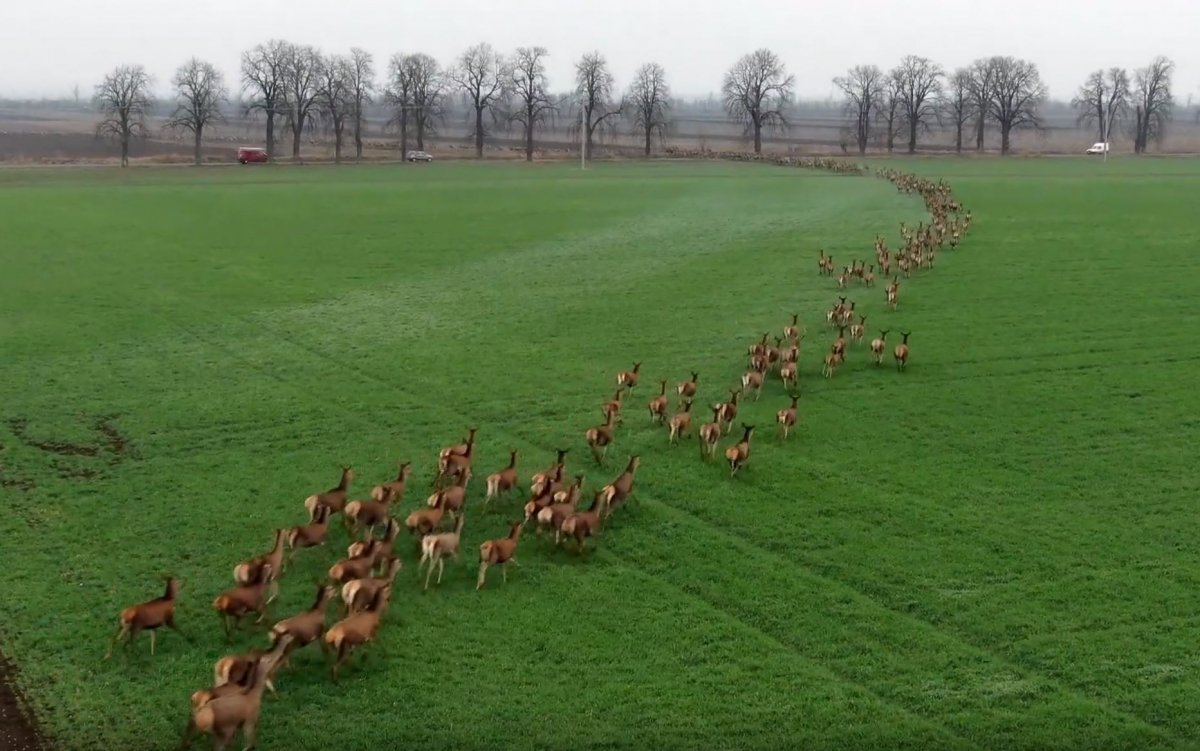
365	579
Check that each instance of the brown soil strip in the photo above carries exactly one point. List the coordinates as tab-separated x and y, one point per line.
18	731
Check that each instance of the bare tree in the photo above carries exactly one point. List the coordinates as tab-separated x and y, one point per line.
301	72
399	96
983	78
1103	99
919	83
427	87
1152	102
262	78
480	73
199	93
889	111
335	97
594	87
362	83
650	97
1017	92
123	98
528	84
755	90
958	105
863	87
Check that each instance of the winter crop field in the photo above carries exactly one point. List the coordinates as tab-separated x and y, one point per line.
995	548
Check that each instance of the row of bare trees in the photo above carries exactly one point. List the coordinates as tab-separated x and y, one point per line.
1110	97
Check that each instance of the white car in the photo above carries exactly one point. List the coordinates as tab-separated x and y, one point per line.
1098	148
420	156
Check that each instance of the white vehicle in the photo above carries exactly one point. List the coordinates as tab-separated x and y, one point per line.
1098	148
420	156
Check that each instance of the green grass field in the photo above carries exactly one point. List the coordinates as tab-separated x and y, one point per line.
995	549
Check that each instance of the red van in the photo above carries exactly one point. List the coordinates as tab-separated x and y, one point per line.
248	154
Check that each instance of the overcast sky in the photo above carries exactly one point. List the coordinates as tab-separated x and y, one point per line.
46	48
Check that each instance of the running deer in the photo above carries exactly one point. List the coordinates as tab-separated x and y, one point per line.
857	330
788	375
396	487
334	498
239	602
658	405
456	467
364	516
869	277
839	344
753	379
612	407
539	501
425	520
629	378
451	499
502	482
555	514
901	351
539	480
309	535
878	344
247	572
758	348
358	594
729	410
710	433
600	438
792	353
687	389
620	490
148	616
848	314
843	277
359	567
738	454
787	417
892	292
457	449
383	550
832	361
582	525
222	715
435	549
681	423
355	630
792	330
305	627
501	552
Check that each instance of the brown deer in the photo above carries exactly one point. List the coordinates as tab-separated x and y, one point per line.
600	438
738	454
239	602
787	417
349	569
555	514
612	407
857	330
539	501
334	498
869	277
309	535
383	550
843	277
450	500
681	423
542	478
621	489
582	525
839	344
710	433
759	348
502	482
356	629
901	351
832	361
364	516
457	449
221	713
687	389
247	572
435	549
629	378
729	409
456	467
878	344
425	520
396	487
848	314
358	594
501	552
305	627
792	330
658	405
753	380
148	616
788	375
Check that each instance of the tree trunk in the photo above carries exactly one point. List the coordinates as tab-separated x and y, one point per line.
958	138
297	131
1004	131
891	137
199	137
979	126
757	137
420	132
1139	132
529	136
125	149
649	131
403	135
358	143
270	132
912	137
337	143
478	132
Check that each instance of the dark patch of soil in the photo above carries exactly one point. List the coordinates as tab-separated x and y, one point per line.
20	428
18	731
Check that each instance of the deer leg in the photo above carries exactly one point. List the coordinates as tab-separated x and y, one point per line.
483	566
122	630
187	734
133	634
152	633
441	568
250	733
428	574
